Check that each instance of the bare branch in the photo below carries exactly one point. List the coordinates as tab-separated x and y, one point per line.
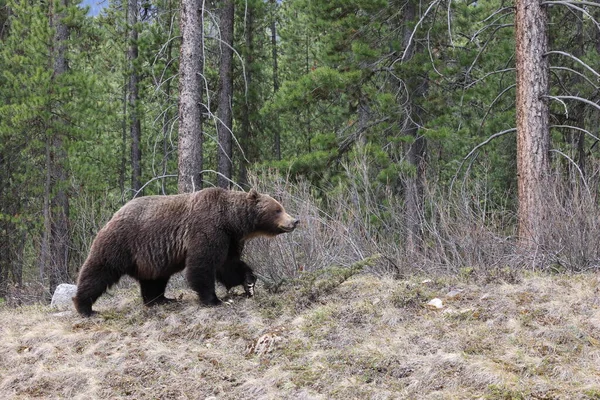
221	175
572	5
585	3
563	53
488	74
347	142
577	129
586	101
487	42
561	102
431	55
484	28
494	136
498	11
494	102
576	166
579	74
150	181
410	39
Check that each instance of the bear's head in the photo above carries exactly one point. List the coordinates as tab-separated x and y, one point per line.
271	216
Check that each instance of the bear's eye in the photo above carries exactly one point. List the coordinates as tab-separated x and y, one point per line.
278	211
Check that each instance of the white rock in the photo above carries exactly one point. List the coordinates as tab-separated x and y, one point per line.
61	299
436	304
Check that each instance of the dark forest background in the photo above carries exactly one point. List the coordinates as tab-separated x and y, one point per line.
396	130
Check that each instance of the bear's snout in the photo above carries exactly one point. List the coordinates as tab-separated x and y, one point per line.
289	224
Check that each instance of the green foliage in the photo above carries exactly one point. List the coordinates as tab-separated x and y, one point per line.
348	91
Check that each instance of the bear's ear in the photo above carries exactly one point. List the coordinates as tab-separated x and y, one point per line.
253	194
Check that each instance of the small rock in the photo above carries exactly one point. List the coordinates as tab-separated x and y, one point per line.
454	293
61	299
426	281
435	304
63	314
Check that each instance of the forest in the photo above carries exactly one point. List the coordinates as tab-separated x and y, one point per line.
437	136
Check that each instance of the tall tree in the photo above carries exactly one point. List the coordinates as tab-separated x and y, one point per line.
414	183
59	202
246	130
191	86
274	53
135	127
533	138
225	114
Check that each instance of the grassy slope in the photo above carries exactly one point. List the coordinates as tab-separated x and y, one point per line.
367	338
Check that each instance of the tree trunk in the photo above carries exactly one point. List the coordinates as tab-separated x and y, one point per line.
59	202
191	85
167	114
533	138
123	166
135	127
225	120
245	137
277	136
414	184
580	107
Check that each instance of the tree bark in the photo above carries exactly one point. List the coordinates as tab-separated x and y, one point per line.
533	138
246	132
135	127
277	135
191	85
225	120
59	202
415	154
167	114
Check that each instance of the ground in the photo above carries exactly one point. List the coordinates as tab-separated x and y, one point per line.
362	337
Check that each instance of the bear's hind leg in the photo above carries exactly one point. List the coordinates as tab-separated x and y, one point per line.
153	291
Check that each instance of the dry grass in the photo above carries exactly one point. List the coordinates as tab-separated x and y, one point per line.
363	338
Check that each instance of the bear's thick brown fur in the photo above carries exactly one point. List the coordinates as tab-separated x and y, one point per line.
151	238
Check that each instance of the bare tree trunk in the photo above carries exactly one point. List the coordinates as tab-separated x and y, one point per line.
580	107
246	132
59	202
45	247
533	138
5	226
168	115
225	122
123	166
191	85
277	136
135	127
414	184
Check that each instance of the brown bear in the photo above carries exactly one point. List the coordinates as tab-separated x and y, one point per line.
151	238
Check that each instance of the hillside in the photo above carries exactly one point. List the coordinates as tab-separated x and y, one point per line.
364	338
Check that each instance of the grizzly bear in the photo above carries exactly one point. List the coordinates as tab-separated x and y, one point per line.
151	238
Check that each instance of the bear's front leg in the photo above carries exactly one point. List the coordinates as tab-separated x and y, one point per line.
201	274
153	291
